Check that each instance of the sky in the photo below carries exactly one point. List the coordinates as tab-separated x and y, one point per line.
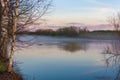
82	12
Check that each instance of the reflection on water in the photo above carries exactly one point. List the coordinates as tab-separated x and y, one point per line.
114	57
73	47
50	58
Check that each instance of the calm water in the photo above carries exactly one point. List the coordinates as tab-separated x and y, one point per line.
52	58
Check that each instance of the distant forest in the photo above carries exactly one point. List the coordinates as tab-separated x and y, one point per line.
69	31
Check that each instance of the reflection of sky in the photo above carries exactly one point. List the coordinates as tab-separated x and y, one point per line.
50	62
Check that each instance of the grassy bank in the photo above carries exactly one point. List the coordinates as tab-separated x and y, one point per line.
4	75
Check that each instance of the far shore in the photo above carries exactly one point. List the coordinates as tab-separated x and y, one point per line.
98	35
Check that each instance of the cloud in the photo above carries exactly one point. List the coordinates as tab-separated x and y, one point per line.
98	2
100	27
74	24
105	10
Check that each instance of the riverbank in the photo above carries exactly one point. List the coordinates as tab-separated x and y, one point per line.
10	76
4	75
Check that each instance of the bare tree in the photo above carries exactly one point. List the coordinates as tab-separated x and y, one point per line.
31	11
26	12
115	21
14	16
3	27
15	19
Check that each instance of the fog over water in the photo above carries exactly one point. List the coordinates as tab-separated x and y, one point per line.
60	58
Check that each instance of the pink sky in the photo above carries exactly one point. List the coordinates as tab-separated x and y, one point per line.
89	27
90	13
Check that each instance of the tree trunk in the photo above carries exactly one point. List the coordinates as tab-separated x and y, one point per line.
3	28
10	68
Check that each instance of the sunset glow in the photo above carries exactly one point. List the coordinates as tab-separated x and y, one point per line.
87	12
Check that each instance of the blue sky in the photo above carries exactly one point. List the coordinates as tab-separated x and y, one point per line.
87	12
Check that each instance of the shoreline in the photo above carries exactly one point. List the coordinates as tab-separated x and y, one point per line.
88	37
4	75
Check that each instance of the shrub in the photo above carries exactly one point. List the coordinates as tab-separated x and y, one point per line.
2	68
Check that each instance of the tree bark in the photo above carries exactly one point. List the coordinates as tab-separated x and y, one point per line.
3	28
10	68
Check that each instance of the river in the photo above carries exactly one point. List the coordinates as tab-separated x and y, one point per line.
60	58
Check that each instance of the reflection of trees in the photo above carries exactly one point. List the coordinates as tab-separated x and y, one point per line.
114	56
73	47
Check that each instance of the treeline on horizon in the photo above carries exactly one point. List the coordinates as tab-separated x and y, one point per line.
68	31
65	31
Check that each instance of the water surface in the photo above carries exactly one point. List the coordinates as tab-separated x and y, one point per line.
59	58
